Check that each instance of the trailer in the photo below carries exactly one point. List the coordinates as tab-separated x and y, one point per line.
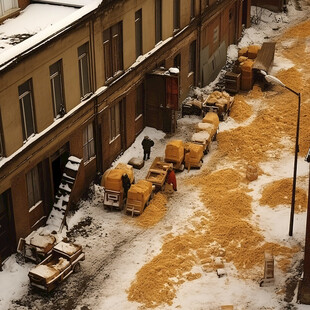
158	172
218	102
58	266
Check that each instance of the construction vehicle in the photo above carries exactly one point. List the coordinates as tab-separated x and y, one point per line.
138	197
174	153
112	181
63	261
218	102
158	172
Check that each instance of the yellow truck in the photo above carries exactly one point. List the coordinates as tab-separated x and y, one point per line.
112	181
206	131
138	197
174	153
193	155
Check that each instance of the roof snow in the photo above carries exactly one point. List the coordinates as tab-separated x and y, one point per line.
37	24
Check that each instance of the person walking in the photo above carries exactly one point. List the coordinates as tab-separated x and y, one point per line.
126	183
147	143
171	179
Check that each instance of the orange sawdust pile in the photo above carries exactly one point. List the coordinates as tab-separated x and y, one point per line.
280	192
240	111
301	30
229	235
154	212
261	140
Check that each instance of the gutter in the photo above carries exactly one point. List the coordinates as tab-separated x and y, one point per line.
71	5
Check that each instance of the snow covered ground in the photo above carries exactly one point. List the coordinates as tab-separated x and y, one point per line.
117	249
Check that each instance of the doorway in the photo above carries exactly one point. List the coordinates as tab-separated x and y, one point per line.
7	239
59	161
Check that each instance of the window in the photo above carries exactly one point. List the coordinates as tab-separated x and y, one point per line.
139	100
192	57
114	121
158	21
33	186
27	111
88	142
177	61
57	88
138	26
6	5
83	52
1	140
176	14
216	35
193	8
113	50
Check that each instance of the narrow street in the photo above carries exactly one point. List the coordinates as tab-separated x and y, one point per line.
168	261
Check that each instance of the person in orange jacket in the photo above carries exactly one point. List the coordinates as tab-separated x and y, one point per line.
171	179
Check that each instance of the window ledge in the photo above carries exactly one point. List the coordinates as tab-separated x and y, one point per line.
138	117
190	74
89	160
114	77
115	138
9	14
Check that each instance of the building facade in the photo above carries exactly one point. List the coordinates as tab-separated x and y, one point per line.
90	89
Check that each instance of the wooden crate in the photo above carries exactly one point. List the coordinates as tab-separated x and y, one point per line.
232	82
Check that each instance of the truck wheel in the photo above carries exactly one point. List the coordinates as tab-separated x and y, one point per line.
77	267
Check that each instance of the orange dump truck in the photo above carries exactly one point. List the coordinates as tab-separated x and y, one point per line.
174	153
113	186
193	155
138	197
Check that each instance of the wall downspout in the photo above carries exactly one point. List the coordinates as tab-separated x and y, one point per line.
199	45
98	145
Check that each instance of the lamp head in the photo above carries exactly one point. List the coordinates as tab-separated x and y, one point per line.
273	80
308	156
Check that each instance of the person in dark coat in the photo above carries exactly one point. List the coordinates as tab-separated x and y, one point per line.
171	179
126	183
147	143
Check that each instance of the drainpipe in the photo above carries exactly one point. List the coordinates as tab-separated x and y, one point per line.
98	145
199	44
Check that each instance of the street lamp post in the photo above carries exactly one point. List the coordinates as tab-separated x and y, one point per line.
276	81
304	284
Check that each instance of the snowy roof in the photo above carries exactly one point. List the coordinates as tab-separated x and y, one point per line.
38	23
